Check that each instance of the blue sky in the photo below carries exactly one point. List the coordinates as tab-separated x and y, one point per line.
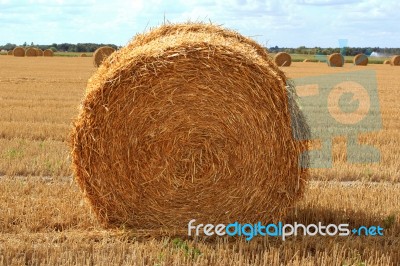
276	22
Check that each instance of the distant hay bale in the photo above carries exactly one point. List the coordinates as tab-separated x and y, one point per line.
19	52
306	60
360	60
10	52
395	60
283	59
189	121
386	62
48	52
39	52
30	52
83	55
101	54
335	60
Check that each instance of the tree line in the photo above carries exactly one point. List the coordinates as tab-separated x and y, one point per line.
62	47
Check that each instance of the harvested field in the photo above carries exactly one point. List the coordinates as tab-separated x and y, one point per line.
44	218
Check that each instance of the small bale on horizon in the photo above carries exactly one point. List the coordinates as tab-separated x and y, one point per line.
335	60
19	52
283	59
360	60
395	60
102	54
30	52
39	52
48	52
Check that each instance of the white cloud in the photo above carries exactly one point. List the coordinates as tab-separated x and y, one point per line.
283	23
327	2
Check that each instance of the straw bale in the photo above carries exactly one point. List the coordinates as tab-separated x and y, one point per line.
283	59
360	60
335	60
101	54
189	121
19	52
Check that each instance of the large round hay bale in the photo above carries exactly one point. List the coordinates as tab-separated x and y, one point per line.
19	52
39	52
386	62
30	52
360	60
335	60
83	55
189	121
395	60
101	54
283	59
48	52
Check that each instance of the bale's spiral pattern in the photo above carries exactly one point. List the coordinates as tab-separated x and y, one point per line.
335	60
101	54
19	52
39	52
30	52
189	121
360	60
395	60
48	52
283	59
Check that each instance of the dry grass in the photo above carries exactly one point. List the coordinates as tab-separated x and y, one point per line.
49	223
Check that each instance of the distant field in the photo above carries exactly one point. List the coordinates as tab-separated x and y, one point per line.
71	54
44	219
66	54
295	57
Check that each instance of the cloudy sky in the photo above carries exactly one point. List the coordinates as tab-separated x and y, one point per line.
286	23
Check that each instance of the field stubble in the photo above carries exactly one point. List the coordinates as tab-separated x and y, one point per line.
45	220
